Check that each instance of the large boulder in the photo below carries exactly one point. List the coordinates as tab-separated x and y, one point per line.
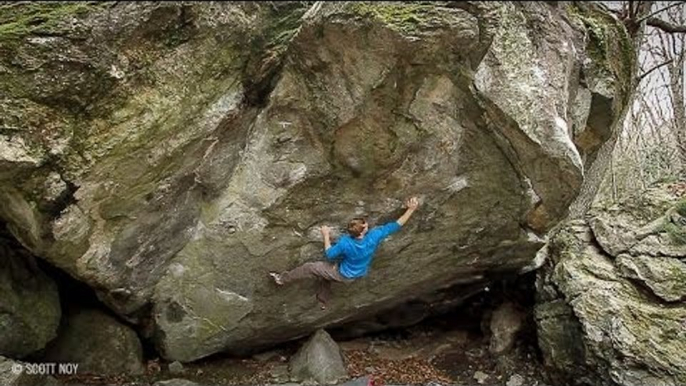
98	343
611	303
171	154
29	301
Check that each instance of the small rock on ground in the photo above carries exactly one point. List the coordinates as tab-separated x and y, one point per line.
175	382
515	380
480	377
320	360
506	323
176	367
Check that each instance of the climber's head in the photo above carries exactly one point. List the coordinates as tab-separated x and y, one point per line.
358	227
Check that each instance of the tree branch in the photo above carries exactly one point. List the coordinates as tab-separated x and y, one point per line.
640	77
666	26
659	10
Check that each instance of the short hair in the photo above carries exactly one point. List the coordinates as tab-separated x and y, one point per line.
356	226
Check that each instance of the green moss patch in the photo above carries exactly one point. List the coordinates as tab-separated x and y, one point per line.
284	25
408	18
681	208
27	18
609	44
676	231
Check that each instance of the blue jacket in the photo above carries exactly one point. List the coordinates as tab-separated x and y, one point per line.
358	253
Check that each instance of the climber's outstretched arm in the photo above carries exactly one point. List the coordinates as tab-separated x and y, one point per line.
411	205
326	233
330	252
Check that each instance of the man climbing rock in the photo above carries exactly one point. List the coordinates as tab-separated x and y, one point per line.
350	257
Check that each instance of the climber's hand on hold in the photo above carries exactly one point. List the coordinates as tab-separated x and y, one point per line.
412	203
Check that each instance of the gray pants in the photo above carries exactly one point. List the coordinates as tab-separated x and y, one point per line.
324	271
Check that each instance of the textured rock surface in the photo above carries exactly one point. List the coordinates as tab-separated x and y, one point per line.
610	306
29	302
98	343
169	154
319	360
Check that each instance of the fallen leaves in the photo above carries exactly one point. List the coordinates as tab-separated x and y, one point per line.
405	371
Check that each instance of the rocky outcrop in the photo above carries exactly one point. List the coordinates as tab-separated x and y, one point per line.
171	154
610	306
98	343
29	302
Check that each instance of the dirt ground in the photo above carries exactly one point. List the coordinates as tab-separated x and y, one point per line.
417	356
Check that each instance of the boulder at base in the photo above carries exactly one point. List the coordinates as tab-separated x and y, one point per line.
319	360
29	301
98	343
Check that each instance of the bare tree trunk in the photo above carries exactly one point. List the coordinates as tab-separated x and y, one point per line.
677	88
596	173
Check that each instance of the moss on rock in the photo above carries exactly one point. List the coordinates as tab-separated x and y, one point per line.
676	228
609	44
406	18
681	207
21	19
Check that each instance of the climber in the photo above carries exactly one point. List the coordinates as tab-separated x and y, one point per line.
350	257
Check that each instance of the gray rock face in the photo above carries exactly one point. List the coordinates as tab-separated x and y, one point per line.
319	361
29	302
99	344
610	306
663	275
507	321
174	153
